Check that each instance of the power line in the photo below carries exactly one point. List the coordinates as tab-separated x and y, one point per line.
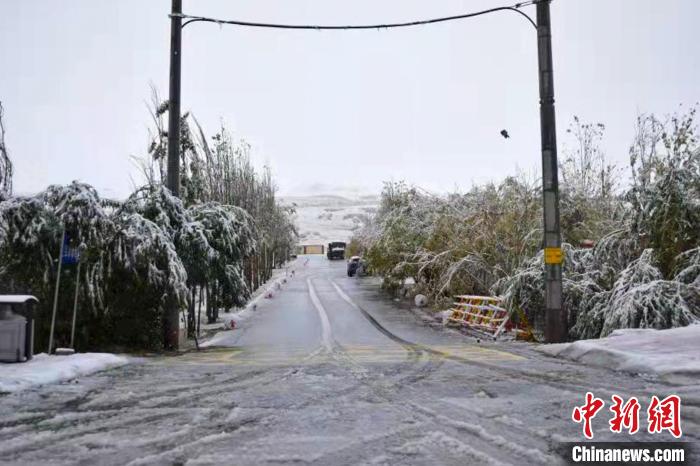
318	27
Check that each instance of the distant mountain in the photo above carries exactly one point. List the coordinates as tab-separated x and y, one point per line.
330	200
322	218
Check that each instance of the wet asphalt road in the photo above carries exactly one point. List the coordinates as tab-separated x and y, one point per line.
328	372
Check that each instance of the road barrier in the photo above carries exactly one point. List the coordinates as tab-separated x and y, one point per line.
312	249
486	315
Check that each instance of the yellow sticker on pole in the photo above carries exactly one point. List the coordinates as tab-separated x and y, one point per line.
553	256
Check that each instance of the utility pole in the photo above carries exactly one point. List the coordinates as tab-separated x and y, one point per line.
173	181
171	318
556	326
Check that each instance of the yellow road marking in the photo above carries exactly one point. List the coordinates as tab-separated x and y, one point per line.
361	353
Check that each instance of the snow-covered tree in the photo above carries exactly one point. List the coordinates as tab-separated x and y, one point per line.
219	169
5	162
230	233
130	271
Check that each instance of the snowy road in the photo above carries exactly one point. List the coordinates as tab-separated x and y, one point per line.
327	372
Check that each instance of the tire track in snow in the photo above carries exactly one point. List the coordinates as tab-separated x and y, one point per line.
500	372
386	393
407	345
415	351
335	349
326	331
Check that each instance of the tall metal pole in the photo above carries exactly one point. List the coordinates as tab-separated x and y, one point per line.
75	306
556	327
171	318
173	181
55	293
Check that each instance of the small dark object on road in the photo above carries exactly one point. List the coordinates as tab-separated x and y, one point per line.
353	265
505	134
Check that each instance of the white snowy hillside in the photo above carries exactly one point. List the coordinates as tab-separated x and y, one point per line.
324	218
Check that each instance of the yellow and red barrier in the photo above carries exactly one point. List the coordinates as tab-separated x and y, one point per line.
485	314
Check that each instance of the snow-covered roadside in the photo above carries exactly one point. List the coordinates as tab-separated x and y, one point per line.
270	288
44	369
671	354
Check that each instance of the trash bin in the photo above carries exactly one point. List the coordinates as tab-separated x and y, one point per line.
16	327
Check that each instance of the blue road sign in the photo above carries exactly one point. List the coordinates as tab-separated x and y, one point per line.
71	254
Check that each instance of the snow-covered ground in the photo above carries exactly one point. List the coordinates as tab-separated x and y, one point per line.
390	390
44	369
226	337
325	218
672	354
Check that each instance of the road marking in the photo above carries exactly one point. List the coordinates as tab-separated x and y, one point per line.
326	332
366	354
262	355
464	353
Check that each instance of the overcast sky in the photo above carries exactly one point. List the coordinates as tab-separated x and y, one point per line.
335	109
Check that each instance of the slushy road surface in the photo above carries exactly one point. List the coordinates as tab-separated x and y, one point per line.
330	371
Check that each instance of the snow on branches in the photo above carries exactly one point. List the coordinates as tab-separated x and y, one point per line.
138	257
644	270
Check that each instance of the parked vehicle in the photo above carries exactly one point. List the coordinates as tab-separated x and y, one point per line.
336	250
353	265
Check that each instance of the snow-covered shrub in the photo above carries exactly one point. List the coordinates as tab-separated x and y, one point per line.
158	205
642	299
144	278
665	195
195	252
641	271
590	315
79	209
688	267
29	242
486	241
457	243
32	230
657	304
524	289
231	234
130	271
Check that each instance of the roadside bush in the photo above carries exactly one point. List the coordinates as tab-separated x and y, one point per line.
642	272
132	266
